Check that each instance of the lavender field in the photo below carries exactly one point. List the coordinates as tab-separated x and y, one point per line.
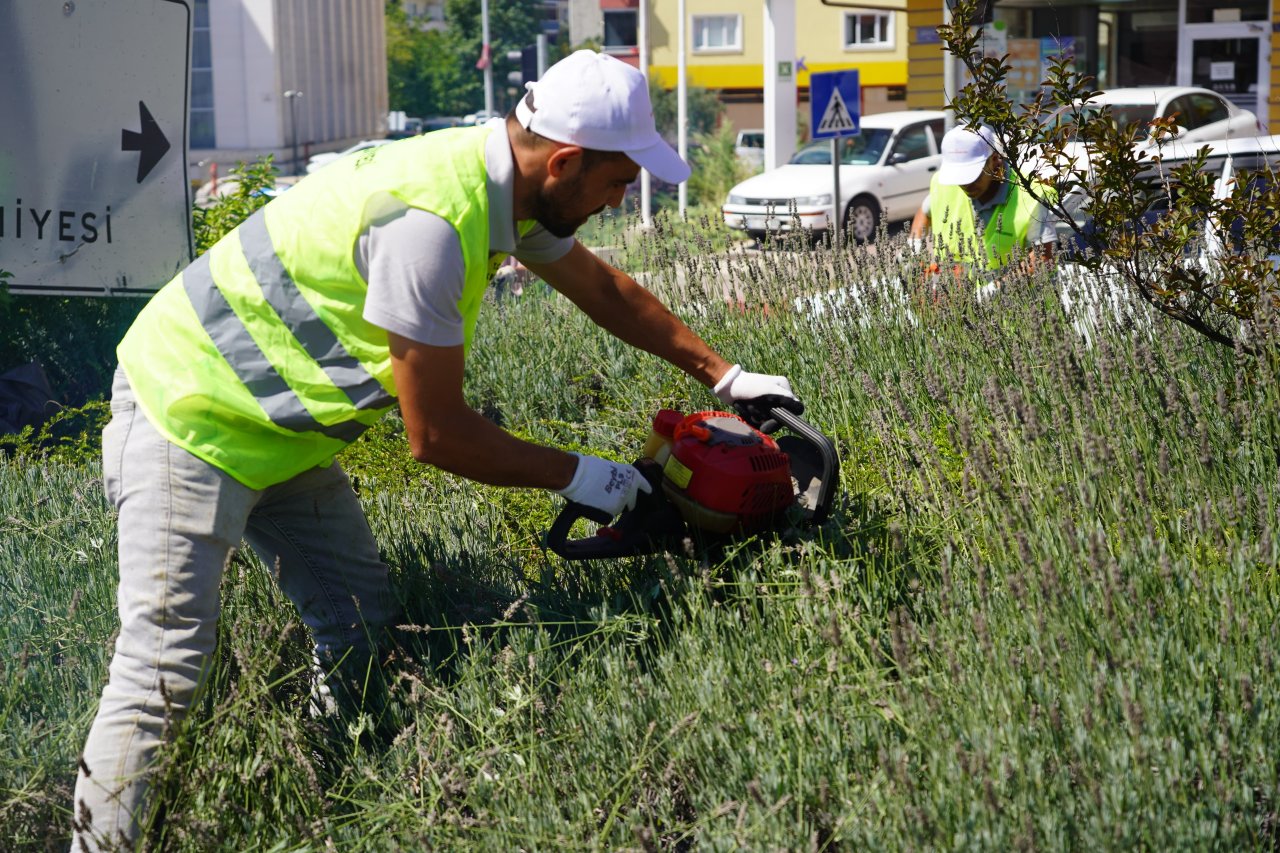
1044	615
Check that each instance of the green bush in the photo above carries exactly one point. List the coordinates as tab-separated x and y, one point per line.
73	337
251	182
716	166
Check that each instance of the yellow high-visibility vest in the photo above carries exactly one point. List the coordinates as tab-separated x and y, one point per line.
256	358
955	238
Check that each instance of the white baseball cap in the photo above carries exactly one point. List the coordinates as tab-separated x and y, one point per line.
964	152
599	102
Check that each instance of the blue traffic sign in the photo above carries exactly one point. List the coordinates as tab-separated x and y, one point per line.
835	103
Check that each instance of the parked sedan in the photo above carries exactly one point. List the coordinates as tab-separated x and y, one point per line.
1203	115
320	160
884	170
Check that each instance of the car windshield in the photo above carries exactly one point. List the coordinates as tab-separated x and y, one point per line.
1125	115
861	150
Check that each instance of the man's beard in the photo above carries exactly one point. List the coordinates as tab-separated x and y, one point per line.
547	207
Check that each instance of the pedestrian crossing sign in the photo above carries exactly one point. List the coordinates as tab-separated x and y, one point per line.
835	103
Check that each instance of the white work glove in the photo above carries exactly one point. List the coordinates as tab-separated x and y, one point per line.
604	484
738	385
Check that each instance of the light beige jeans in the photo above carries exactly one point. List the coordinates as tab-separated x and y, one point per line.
179	519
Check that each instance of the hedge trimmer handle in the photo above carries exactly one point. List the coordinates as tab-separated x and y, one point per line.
768	414
759	411
557	538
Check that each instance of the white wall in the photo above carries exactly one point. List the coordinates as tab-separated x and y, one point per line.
586	21
333	51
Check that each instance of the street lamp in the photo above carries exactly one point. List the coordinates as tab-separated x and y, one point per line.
292	97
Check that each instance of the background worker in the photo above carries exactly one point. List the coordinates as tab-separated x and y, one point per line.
977	212
356	290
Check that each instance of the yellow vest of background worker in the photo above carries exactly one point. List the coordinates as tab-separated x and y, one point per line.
267	367
952	223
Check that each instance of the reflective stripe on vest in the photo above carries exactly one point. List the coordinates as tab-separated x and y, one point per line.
257	358
301	319
249	362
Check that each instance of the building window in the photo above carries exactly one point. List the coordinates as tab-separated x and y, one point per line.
202	128
1214	12
717	33
868	30
620	29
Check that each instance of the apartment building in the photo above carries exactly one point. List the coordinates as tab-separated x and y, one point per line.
724	47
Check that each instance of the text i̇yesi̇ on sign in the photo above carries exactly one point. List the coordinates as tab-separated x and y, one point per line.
94	197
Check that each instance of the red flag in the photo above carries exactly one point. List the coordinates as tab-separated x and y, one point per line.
484	61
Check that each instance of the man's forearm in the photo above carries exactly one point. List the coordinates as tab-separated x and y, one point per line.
443	431
637	317
465	443
616	303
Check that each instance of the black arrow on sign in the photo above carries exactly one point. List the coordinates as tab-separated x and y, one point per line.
150	142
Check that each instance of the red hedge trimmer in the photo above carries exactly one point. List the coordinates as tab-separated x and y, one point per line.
717	475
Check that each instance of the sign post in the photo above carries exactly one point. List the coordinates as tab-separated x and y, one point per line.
835	107
94	196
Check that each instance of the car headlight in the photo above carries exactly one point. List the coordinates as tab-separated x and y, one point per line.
813	200
737	199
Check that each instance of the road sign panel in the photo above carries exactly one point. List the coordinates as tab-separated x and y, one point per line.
835	103
94	197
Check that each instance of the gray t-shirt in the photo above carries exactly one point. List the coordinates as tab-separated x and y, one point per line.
1041	229
412	259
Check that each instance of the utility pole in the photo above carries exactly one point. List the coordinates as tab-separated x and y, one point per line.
779	82
646	185
486	58
292	97
682	105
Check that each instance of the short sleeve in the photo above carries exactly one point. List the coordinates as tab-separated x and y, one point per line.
412	261
1043	228
540	246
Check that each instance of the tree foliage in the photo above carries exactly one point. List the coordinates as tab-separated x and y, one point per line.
423	77
703	106
1200	257
432	72
716	166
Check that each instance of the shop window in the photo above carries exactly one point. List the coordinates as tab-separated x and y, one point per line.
621	29
717	33
1219	12
868	30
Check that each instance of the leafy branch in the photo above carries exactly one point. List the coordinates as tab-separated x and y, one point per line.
1197	254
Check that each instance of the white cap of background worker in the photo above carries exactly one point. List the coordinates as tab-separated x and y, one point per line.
965	151
595	101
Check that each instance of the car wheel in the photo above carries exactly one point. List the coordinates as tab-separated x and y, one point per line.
861	219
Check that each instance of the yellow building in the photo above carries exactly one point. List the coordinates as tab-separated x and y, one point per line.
724	44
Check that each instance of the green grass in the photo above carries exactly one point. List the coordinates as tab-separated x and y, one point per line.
1044	617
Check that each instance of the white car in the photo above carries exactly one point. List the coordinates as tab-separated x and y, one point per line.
479	117
1199	115
319	161
884	170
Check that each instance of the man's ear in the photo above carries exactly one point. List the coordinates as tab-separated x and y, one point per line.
564	161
